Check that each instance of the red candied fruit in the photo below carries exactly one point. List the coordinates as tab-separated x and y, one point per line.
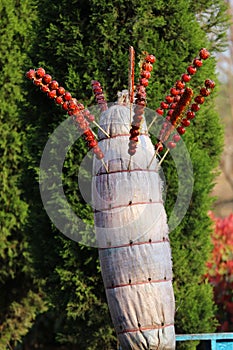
40	72
185	122
60	91
190	115
31	74
204	54
185	77
204	92
52	94
147	66
181	130
191	70
209	83
199	99
47	79
54	85
150	58
176	138
197	62
159	111
171	144
145	74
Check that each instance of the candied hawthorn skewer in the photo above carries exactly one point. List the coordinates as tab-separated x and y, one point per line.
99	95
178	89
178	120
140	102
169	126
71	106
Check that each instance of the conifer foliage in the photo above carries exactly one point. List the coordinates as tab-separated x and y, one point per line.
20	300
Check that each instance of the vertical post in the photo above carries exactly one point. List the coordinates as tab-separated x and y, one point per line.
213	344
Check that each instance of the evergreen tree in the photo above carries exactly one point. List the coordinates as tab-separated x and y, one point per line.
78	41
19	298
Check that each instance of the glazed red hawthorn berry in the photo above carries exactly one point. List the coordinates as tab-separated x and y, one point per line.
176	99
31	74
137	119
47	79
91	117
60	91
173	105
132	145
145	74
138	110
180	85
159	147
147	66
52	94
132	151
199	99
79	118
204	92
97	90
141	95
174	92
176	138
197	62
134	132
37	82
40	72
54	85
169	99
171	144
190	115
92	143
95	82
100	155
59	100
185	122
44	88
96	150
141	102
67	96
150	58
168	118
204	54
195	107
191	70
144	81
133	138
65	106
209	83
72	104
185	77
159	111
170	112
181	130
164	105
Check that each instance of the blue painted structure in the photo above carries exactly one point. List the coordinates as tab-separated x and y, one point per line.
214	341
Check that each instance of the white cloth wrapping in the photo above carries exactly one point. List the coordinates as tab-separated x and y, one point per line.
132	236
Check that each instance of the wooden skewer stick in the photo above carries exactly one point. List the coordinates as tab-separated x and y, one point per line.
154	119
129	165
98	126
162	159
155	155
105	165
